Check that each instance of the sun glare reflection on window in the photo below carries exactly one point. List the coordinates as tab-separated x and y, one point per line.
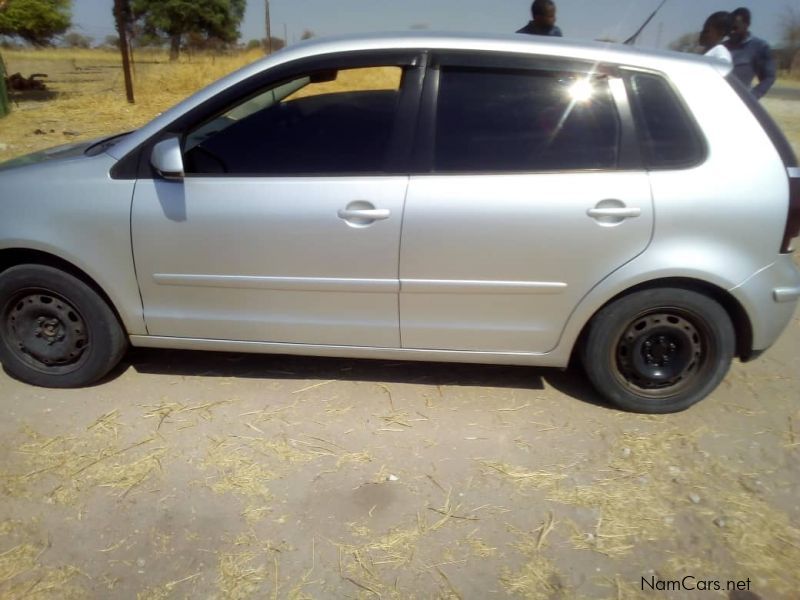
581	90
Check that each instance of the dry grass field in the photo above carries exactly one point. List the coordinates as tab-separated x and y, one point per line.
207	475
88	97
787	114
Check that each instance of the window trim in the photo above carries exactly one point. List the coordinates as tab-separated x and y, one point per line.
638	118
628	157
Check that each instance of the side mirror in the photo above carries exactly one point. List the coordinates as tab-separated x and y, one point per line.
168	159
324	76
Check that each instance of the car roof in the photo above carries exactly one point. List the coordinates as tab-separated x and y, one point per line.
600	52
517	43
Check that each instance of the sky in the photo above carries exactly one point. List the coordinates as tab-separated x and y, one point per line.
581	19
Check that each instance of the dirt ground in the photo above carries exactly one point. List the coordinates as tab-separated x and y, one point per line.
193	475
206	475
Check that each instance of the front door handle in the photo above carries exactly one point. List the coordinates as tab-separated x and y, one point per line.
614	212
370	214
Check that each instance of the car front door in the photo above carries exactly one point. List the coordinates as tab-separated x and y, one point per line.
286	226
527	194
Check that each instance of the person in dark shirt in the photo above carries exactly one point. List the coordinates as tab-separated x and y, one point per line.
544	19
752	56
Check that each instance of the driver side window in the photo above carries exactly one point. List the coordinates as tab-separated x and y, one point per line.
324	122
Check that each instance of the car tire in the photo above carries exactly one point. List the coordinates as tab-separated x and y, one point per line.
658	351
55	330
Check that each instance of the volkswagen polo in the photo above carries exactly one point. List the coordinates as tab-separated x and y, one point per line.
506	199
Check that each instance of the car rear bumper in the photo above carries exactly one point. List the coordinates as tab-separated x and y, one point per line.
770	298
786	294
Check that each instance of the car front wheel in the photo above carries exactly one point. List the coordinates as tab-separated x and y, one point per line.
659	350
56	331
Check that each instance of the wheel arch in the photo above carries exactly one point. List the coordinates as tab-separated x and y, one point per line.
742	325
12	257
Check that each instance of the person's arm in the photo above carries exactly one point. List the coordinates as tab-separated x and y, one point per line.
766	71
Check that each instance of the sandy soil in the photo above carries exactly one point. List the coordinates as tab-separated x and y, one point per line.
194	475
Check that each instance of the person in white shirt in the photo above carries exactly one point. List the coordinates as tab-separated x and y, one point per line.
715	32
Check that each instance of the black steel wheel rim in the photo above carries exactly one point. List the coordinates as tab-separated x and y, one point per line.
662	352
46	331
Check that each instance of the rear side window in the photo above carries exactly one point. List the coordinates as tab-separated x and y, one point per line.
510	120
667	133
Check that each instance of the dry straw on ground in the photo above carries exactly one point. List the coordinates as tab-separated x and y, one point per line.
380	564
537	578
631	494
183	415
761	540
246	465
639	495
64	467
22	574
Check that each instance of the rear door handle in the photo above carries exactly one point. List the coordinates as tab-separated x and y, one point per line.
371	214
618	213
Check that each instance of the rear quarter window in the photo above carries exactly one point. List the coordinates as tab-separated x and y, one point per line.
667	133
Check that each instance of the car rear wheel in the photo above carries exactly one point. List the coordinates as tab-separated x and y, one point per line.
659	350
56	331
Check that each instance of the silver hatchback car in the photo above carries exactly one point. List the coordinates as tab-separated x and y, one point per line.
508	200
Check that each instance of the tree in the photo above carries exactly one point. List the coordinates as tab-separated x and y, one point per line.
277	44
177	18
35	21
73	39
197	41
688	42
110	41
790	38
790	34
140	38
307	35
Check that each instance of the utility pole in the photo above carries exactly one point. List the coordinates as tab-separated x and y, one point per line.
269	27
122	12
5	105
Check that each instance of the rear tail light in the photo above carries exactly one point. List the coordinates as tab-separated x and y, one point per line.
793	218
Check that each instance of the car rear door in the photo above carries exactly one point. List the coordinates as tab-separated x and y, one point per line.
527	193
286	227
